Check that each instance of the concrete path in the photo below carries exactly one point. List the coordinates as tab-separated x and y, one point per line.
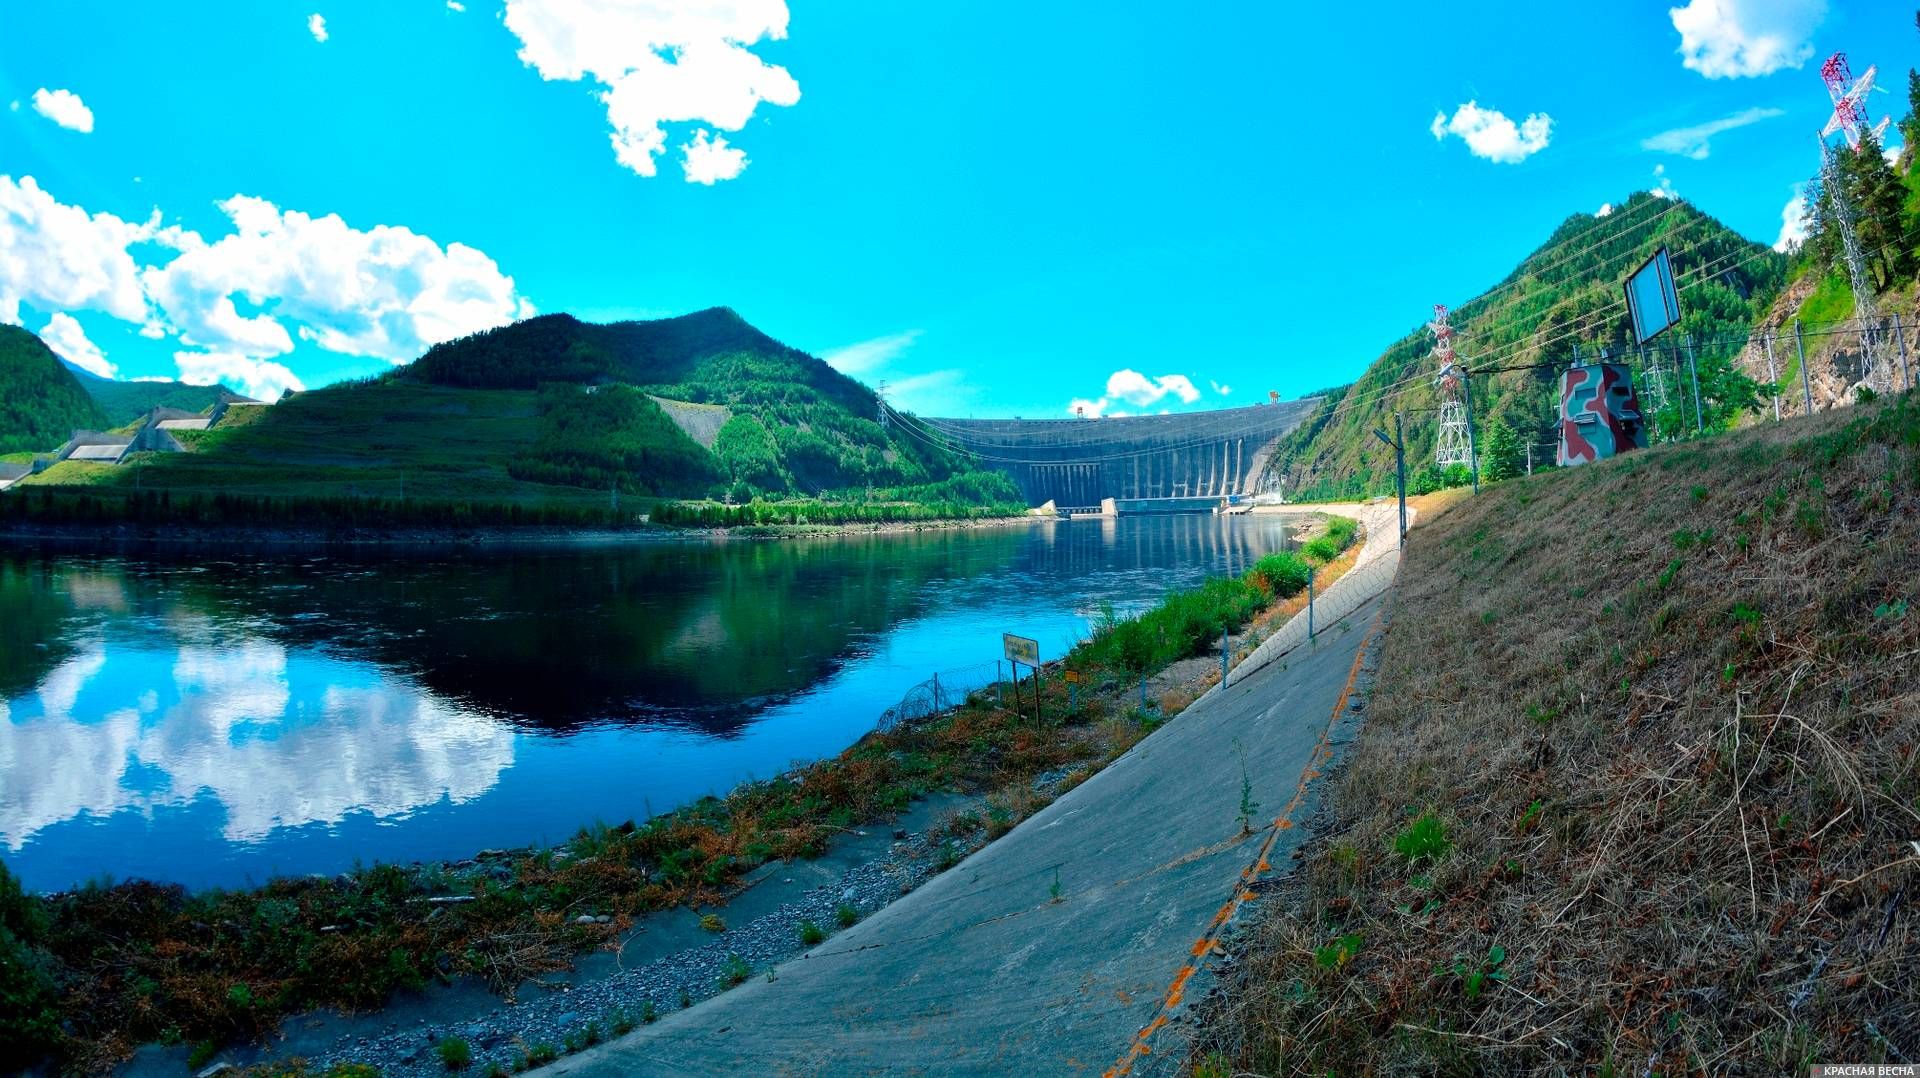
1064	947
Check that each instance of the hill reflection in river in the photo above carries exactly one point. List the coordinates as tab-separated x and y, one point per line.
219	718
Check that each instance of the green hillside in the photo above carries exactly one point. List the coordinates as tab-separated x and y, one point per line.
124	402
41	403
1564	295
798	425
557	411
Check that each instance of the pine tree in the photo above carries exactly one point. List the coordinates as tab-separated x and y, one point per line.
1879	199
1501	459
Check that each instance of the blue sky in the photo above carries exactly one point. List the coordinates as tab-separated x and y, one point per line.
1000	208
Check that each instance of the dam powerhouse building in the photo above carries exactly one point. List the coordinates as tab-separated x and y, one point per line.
1167	462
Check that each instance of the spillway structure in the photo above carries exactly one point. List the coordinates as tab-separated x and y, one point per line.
1186	461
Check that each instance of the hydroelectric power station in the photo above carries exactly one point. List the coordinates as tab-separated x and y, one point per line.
1154	463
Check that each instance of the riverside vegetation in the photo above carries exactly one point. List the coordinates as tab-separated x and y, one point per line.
87	975
1640	783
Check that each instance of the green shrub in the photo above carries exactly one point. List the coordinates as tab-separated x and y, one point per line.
811	934
29	1024
846	915
454	1054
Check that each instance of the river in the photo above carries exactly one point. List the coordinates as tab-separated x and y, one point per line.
217	719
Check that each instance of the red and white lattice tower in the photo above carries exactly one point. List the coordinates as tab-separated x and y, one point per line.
1850	118
1451	445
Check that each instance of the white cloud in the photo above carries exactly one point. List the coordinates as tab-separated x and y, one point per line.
69	341
1136	388
1663	189
63	107
317	26
662	62
1490	134
1793	221
868	356
937	392
61	258
1696	141
455	5
709	162
1220	389
1730	39
13	106
387	292
260	379
1605	210
1131	387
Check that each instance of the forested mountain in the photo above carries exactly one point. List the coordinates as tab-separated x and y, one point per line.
558	411
41	403
1564	296
796	425
124	402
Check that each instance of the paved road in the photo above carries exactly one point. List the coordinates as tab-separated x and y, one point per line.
985	971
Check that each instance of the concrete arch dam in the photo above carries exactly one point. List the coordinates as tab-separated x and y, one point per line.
1154	458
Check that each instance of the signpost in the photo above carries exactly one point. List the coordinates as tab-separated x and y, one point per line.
1651	298
1023	651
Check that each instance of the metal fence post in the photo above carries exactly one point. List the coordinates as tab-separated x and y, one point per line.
1800	348
1900	337
937	705
1693	368
1773	375
999	685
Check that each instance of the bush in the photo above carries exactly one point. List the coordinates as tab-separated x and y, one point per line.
454	1054
29	1026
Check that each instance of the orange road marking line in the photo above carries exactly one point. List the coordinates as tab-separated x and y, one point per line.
1209	939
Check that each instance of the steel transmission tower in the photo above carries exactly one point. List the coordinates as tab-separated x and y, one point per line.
1849	116
1452	445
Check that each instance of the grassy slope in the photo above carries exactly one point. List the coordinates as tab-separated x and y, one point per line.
41	403
1572	279
1698	663
366	440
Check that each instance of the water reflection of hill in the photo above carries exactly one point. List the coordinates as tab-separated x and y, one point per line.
683	633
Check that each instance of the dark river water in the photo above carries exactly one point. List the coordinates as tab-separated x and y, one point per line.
218	719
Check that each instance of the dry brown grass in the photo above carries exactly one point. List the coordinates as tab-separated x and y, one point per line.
1666	709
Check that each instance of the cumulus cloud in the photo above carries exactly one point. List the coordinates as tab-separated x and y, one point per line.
63	107
261	379
1220	389
709	162
662	62
1605	210
1696	141
243	299
68	339
1488	133
1128	386
1793	221
317	26
1731	39
386	292
61	258
455	5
